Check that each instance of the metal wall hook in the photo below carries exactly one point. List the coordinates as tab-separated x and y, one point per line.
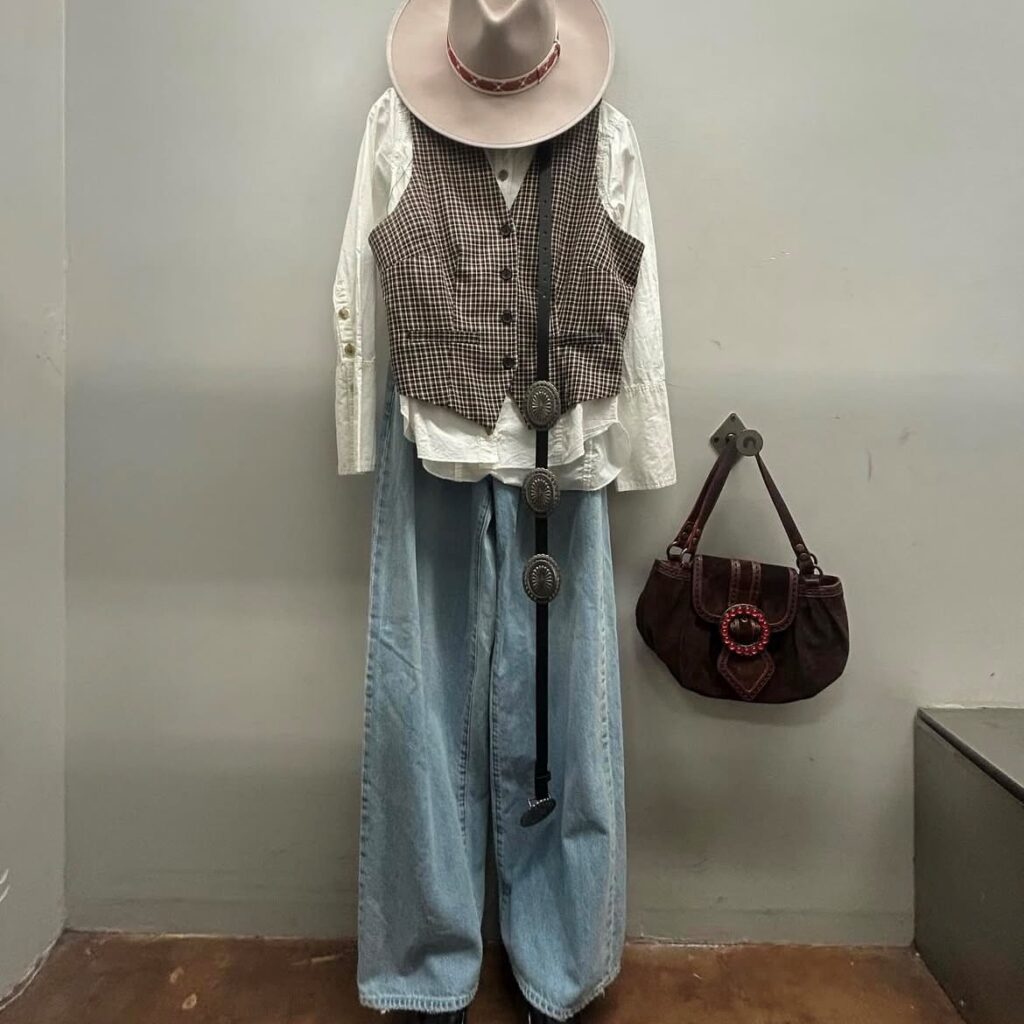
734	431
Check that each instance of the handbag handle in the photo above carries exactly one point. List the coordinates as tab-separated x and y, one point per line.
690	533
727	455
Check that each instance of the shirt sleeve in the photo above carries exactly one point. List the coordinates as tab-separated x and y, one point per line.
643	399
355	295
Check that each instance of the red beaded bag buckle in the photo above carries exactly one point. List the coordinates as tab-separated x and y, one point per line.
744	629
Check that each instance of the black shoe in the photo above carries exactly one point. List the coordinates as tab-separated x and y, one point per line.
459	1017
536	1017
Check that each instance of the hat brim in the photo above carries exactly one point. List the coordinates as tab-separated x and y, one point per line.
430	88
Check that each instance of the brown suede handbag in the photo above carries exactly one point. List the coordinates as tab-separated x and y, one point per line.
742	630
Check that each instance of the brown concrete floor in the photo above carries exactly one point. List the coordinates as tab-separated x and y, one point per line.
117	979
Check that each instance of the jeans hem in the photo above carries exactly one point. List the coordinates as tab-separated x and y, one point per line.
417	1004
565	1012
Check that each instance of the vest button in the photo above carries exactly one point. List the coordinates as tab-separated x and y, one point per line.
507	362
507	316
506	273
506	228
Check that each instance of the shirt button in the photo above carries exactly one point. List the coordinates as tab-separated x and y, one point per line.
507	362
506	273
503	174
506	228
507	316
350	349
343	313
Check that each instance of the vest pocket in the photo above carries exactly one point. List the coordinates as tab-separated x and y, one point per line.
440	335
593	338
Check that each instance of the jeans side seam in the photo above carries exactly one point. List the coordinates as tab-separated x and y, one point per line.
499	830
467	723
612	895
495	729
378	592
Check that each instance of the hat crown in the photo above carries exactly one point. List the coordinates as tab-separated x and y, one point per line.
501	38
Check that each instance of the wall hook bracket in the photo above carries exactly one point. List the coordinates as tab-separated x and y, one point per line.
734	431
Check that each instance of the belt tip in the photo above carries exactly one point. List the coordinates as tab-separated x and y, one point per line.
537	811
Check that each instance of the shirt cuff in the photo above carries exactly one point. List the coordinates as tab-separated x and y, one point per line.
643	411
355	396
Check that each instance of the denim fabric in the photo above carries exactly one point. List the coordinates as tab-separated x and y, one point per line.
449	738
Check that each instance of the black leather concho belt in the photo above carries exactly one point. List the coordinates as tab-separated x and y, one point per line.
541	575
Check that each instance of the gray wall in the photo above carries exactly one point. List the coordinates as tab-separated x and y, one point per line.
31	484
838	203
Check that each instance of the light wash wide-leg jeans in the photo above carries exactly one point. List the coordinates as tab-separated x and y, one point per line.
449	738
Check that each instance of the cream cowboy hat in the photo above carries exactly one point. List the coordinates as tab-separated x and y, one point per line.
500	73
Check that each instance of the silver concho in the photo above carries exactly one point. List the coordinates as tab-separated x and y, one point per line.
542	405
541	578
540	489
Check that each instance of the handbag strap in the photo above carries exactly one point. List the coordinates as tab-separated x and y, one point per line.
806	561
691	531
722	464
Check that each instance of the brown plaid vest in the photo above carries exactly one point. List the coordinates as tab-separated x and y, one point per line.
458	272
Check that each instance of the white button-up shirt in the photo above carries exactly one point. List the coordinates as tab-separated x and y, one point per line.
625	439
